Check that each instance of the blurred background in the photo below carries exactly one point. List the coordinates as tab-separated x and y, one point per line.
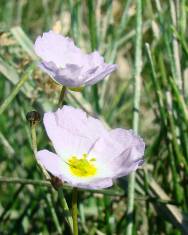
28	204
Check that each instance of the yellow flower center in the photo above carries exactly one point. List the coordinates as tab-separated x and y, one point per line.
82	167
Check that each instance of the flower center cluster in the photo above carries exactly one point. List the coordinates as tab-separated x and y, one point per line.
82	167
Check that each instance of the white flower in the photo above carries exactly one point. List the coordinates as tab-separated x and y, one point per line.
88	155
67	64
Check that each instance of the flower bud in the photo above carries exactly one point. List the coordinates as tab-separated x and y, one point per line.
33	117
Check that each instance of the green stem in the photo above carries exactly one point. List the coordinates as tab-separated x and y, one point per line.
94	46
137	91
62	96
34	138
75	211
17	88
66	210
63	201
53	213
34	146
14	180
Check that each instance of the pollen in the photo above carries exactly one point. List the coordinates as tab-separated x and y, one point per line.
82	167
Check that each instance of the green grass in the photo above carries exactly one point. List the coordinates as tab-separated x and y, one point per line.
151	78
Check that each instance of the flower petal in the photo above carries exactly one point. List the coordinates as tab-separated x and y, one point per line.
71	131
128	139
49	67
69	76
95	59
52	162
65	143
77	121
132	157
56	48
121	151
101	73
125	163
95	184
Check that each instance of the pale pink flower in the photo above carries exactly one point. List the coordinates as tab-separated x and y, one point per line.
67	64
87	154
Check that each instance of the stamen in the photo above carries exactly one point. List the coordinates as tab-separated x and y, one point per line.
82	167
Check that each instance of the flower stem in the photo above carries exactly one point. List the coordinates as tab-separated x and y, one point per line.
61	97
74	211
34	147
34	138
63	201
